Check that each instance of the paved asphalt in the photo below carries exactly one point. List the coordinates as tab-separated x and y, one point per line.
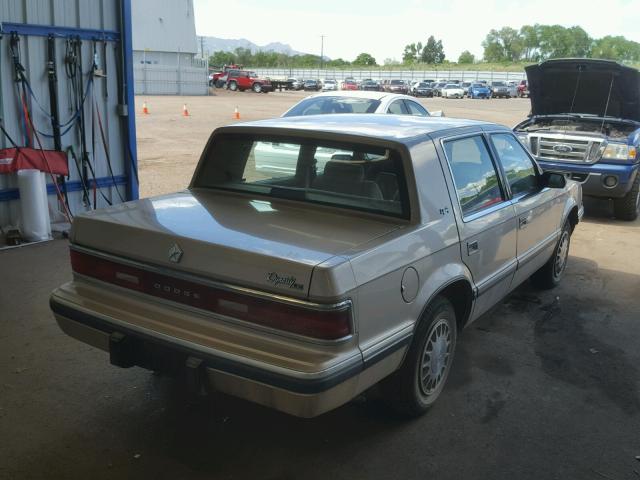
545	386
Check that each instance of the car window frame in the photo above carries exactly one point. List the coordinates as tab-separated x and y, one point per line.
506	193
536	167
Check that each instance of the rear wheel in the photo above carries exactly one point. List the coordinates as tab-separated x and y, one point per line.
626	208
414	388
233	86
257	87
551	273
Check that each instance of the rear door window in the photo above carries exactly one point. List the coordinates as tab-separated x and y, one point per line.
416	109
398	108
474	173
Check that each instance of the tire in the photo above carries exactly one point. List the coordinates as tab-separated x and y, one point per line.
405	390
626	208
551	273
257	88
219	84
233	86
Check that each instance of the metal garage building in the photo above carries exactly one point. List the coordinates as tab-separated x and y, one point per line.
66	83
165	49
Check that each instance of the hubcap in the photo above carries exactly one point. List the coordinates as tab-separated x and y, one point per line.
435	358
561	255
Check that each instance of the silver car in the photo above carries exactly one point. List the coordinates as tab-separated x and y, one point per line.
300	290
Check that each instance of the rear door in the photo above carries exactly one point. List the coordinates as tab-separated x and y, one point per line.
538	210
486	218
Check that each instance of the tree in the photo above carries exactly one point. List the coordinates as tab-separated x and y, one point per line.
221	58
466	57
616	48
412	53
365	59
504	45
433	51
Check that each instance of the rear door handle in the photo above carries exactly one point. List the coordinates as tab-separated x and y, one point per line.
524	221
472	247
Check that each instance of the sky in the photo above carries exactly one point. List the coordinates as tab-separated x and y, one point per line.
383	28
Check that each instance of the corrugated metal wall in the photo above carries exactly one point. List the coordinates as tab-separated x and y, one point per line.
339	74
171	80
86	14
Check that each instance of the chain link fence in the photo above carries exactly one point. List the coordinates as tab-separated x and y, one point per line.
435	74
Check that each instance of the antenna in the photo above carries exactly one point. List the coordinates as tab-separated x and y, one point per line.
607	105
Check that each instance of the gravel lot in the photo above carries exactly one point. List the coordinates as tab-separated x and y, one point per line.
544	386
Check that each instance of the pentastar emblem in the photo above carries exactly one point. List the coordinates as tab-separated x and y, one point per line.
175	253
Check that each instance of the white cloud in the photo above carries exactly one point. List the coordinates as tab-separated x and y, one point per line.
384	30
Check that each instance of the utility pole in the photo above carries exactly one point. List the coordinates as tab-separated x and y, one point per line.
202	45
321	50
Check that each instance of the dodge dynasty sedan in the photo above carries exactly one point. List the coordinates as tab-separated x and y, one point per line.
301	289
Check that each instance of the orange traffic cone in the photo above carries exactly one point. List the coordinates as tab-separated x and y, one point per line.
145	110
236	114
185	112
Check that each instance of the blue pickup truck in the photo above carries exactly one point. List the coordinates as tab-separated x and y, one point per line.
585	122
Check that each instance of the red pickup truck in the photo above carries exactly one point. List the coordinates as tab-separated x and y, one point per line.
243	80
523	89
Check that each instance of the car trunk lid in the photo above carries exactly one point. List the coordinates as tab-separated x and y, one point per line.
253	242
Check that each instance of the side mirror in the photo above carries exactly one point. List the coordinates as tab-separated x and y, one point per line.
437	113
553	180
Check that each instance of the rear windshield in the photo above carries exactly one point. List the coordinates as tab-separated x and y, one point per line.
397	82
346	175
321	105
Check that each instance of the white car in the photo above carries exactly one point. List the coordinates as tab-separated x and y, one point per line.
359	101
329	84
452	90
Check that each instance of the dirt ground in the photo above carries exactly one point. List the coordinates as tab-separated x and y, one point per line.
545	386
169	144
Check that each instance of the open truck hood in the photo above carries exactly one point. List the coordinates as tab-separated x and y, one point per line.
554	83
232	238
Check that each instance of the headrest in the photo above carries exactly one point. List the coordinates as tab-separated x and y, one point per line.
344	170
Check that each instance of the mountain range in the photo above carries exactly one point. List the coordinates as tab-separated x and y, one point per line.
215	44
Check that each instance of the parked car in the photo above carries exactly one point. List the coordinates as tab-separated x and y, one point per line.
246	80
297	83
479	90
437	89
329	84
513	89
465	87
312	85
585	122
349	85
370	85
422	89
359	102
452	90
500	89
301	291
523	89
397	86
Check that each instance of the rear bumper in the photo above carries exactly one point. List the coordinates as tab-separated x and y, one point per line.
299	393
592	177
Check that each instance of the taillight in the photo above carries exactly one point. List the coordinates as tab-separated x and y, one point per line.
325	323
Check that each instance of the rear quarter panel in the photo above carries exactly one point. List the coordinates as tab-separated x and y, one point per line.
430	246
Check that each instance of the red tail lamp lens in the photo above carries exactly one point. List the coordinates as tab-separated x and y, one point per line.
324	324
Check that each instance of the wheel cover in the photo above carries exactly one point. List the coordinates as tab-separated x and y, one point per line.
435	357
562	253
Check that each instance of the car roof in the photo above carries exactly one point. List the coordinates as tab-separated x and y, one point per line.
389	127
359	94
